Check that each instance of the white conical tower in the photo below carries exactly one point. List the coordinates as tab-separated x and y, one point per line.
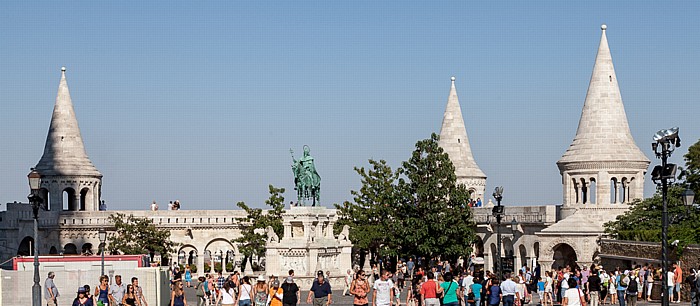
65	166
455	142
603	153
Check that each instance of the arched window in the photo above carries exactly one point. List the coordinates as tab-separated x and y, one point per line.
69	200
70	249
26	247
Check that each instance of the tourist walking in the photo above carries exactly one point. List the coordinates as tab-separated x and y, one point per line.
138	291
428	291
593	287
348	280
632	289
177	296
51	291
276	294
650	282
508	291
622	281
226	295
475	290
677	280
573	295
200	291
413	297
245	292
118	289
260	291
383	290
102	293
321	290
467	285
494	293
291	295
548	298
359	288
82	298
129	298
449	290
188	276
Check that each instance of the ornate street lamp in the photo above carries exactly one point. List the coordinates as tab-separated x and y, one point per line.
688	198
35	200
102	234
498	212
665	142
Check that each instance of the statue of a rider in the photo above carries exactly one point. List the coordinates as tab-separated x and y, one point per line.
306	179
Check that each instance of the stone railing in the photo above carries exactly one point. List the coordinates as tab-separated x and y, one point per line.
166	218
522	214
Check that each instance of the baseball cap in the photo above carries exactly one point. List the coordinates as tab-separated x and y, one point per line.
82	290
275	283
320	273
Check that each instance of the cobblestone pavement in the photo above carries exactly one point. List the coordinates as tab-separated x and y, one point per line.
340	300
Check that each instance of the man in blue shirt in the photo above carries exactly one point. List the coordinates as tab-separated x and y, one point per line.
321	290
621	288
410	265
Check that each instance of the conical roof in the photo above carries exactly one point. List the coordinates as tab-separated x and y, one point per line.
454	140
64	152
603	133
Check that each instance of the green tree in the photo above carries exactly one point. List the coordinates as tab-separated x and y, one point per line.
366	214
691	173
432	215
417	210
136	235
253	237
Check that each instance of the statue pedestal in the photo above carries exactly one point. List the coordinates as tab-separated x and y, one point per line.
309	245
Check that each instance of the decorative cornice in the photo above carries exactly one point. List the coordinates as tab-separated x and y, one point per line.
602	165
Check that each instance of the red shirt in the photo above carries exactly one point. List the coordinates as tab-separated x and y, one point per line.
429	289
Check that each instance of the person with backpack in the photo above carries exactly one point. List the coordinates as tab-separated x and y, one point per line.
622	281
633	286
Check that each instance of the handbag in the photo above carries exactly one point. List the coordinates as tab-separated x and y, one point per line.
470	297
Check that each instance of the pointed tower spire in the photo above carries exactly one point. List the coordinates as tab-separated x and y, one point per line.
455	142
603	145
65	166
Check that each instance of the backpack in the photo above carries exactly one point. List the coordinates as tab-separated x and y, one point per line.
625	281
632	285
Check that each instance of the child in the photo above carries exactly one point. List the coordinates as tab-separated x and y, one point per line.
540	289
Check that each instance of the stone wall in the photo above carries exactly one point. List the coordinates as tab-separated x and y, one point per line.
625	254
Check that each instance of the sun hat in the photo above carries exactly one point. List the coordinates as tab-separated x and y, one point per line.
261	278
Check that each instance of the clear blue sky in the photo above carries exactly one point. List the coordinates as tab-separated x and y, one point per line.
201	101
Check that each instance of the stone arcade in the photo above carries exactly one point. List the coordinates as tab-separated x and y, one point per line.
602	171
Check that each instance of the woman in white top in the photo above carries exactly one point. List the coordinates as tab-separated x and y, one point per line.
548	289
573	296
244	292
226	295
520	289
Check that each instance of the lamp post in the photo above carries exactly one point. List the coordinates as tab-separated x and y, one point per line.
498	212
665	142
103	237
35	200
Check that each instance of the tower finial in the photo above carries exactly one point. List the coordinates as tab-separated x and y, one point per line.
453	80
63	69
603	27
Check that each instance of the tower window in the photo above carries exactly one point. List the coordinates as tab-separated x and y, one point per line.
610	78
459	140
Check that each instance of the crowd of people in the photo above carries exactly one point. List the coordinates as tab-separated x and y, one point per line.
106	293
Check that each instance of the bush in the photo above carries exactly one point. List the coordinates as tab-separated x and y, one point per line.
193	268
217	267
207	268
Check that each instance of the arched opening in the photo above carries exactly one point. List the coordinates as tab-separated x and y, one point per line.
584	191
630	187
207	261
478	247
592	191
44	194
623	190
26	247
70	249
508	256
181	258
69	199
53	250
564	255
192	258
84	194
523	256
536	248
613	190
576	191
87	249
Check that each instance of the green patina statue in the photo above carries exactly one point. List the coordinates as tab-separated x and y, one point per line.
306	179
